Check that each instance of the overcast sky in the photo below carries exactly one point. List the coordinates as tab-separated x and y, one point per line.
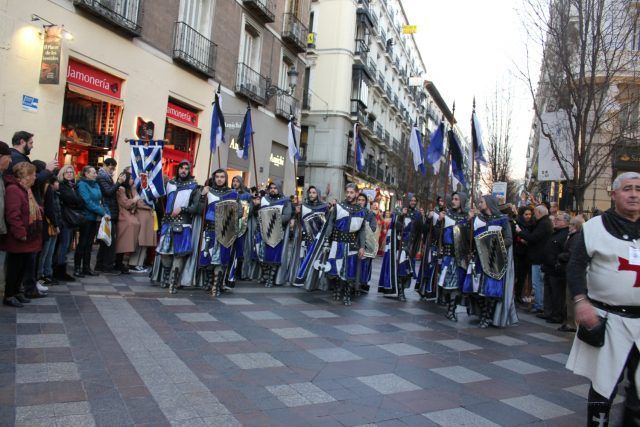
470	47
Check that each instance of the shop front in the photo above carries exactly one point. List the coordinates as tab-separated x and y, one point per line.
276	164
182	137
92	115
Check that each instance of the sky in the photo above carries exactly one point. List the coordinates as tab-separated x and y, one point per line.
470	48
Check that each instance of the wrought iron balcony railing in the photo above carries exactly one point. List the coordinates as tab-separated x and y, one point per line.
294	32
362	50
379	131
251	83
286	105
387	137
194	49
263	9
126	15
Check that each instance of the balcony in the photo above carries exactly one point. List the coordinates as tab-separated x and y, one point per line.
370	126
379	174
357	111
387	92
387	138
364	13
383	38
371	66
263	9
380	81
395	145
194	50
626	155
287	106
126	16
362	50
251	84
379	132
294	33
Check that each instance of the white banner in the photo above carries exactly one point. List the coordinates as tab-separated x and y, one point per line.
549	169
499	191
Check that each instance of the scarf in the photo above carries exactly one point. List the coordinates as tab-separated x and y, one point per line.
35	214
619	227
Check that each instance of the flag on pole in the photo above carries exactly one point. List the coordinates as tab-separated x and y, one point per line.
476	137
415	145
457	158
292	141
217	122
359	154
436	148
244	137
146	169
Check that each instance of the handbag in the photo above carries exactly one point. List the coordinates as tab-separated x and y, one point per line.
51	230
595	335
177	228
104	231
72	217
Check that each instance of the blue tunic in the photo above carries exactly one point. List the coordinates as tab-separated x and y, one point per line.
212	251
309	242
452	276
175	233
488	286
343	256
268	254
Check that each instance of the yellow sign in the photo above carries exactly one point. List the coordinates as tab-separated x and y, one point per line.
311	38
409	29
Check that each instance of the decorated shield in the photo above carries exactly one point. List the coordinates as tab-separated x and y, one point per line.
313	223
370	242
226	222
492	253
144	180
461	244
243	221
271	225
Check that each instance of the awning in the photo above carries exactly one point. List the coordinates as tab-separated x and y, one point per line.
184	125
95	95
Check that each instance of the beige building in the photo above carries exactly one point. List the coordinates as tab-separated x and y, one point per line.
126	65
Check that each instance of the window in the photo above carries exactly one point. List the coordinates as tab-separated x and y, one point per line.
198	14
250	49
285	67
293	7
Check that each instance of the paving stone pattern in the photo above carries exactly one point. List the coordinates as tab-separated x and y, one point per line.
116	351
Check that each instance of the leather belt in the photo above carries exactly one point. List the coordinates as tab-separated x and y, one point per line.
339	236
631	311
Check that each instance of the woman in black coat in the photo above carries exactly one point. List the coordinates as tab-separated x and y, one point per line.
525	221
70	201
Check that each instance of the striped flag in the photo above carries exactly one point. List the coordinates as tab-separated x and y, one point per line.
435	151
358	141
244	137
415	145
476	136
146	169
217	123
294	153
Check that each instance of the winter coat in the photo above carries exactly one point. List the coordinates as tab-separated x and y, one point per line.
22	237
552	251
109	191
3	223
148	236
69	197
537	239
93	208
128	224
17	157
520	247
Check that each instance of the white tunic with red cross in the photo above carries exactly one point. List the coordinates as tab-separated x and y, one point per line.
614	279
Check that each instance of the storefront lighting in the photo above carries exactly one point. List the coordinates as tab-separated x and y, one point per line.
292	76
46	23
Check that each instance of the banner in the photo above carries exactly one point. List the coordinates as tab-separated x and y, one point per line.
549	169
146	169
50	65
499	191
409	29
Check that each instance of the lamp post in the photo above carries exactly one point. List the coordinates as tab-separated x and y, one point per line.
292	76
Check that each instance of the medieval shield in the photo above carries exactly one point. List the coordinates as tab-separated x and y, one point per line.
243	221
461	244
271	225
226	222
370	242
492	253
313	223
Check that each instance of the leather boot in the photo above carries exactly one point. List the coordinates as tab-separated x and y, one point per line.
217	286
451	311
166	277
346	294
173	285
401	296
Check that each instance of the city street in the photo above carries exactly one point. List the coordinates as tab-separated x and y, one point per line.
116	351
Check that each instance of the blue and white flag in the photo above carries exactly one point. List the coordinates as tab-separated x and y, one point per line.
457	158
292	141
217	123
244	137
415	145
479	154
359	154
435	151
146	169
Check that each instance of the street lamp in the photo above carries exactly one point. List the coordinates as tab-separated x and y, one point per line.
292	76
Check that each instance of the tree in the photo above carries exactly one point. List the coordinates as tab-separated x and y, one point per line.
587	77
497	141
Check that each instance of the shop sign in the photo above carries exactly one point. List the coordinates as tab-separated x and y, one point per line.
91	78
276	160
182	115
50	65
29	103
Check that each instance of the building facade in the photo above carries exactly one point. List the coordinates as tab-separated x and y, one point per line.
127	68
363	69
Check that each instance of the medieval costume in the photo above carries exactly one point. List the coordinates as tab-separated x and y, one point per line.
345	228
219	233
272	235
176	242
455	252
486	278
314	217
371	250
426	284
236	271
398	263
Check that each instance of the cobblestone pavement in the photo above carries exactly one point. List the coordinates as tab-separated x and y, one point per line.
116	351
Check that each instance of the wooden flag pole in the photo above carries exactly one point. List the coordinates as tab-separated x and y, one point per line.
355	152
473	172
253	154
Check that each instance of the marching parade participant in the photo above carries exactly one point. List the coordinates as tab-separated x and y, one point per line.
238	254
371	246
488	273
346	242
219	230
176	242
274	213
402	246
426	285
455	252
313	213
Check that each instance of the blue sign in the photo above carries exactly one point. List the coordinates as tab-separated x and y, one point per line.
29	103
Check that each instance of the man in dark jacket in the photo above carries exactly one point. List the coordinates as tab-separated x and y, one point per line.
106	254
554	274
22	142
536	241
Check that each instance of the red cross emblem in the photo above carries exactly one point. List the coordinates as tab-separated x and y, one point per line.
625	266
